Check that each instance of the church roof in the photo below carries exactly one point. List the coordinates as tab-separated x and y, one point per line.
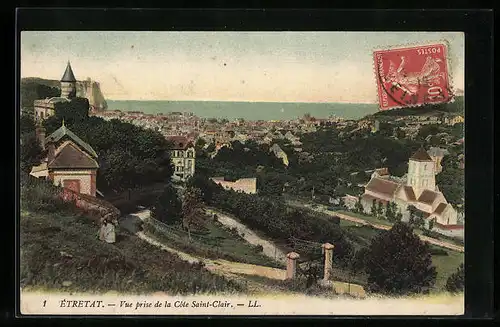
68	74
410	195
428	197
382	186
72	157
64	131
440	208
421	155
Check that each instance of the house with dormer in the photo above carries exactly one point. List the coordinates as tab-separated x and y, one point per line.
183	156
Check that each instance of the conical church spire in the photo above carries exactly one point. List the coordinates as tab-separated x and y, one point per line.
68	74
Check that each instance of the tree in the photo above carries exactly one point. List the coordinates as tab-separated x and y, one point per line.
191	208
455	283
380	209
400	134
431	224
26	124
358	207
168	206
31	152
399	262
416	217
373	209
341	203
399	216
390	213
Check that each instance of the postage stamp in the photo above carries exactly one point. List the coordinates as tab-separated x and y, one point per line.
412	76
251	179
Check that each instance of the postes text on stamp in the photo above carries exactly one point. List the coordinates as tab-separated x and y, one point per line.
412	76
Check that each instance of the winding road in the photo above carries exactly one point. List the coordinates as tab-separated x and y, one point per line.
229	269
361	221
269	249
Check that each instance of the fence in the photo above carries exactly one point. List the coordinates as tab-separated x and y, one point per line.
184	238
90	204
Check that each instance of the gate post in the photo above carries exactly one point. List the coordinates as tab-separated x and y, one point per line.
328	250
291	265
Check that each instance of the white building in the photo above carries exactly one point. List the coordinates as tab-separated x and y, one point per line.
183	156
245	185
419	190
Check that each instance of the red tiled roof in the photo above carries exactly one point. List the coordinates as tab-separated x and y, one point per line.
72	157
382	186
179	142
421	155
428	197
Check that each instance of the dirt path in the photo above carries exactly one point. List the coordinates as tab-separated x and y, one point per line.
361	221
129	223
229	269
269	249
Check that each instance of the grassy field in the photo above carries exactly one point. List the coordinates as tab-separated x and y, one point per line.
445	266
63	252
216	243
371	219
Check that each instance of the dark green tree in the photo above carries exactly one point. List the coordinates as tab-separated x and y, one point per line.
31	153
192	205
380	209
416	218
168	207
399	262
373	209
455	283
358	207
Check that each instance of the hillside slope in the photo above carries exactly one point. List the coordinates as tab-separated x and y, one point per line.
62	251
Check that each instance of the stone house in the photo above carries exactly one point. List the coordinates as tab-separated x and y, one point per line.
70	163
183	156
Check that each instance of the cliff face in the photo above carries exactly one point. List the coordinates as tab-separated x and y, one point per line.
34	88
92	91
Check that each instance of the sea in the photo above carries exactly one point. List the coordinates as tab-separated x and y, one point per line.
248	110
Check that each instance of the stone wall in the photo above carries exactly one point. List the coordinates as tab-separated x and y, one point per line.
93	206
84	176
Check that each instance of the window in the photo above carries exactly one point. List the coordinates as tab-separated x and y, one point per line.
425	183
425	167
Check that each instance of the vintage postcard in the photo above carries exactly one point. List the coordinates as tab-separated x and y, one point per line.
241	173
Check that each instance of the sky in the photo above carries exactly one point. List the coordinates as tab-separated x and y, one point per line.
225	66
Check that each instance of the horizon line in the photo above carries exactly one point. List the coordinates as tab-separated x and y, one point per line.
246	101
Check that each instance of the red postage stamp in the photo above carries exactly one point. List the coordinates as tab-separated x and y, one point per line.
412	76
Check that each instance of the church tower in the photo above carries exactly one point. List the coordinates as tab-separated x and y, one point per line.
421	172
68	83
